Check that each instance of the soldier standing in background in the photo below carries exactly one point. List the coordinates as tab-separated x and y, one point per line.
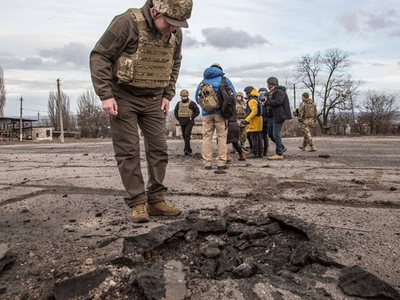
307	114
134	68
185	112
241	115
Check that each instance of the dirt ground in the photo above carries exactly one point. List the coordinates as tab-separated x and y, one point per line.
286	229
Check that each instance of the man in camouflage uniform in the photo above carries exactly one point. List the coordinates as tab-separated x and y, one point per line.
134	68
307	114
185	112
241	115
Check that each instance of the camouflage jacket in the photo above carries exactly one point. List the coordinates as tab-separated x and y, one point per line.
122	36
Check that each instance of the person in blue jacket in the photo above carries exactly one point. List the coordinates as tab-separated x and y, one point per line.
213	121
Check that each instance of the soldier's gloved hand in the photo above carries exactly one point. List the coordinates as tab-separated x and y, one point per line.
245	123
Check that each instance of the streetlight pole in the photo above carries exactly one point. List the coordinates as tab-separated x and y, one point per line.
60	111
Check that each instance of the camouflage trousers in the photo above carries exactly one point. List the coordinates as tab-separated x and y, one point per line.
306	129
242	136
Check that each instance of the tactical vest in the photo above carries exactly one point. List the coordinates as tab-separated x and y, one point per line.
240	110
151	65
184	111
310	110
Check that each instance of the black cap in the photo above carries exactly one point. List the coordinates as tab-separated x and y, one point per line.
248	89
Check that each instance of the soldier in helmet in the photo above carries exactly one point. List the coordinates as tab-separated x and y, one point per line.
185	112
134	68
307	115
241	115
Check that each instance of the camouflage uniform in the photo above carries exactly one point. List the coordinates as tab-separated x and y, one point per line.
138	66
241	115
307	114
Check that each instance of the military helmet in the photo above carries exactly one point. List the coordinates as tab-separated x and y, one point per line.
175	12
262	90
184	93
273	80
239	94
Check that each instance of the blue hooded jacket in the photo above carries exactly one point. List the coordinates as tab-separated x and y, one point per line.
213	76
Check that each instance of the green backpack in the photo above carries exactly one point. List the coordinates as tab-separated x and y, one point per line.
208	97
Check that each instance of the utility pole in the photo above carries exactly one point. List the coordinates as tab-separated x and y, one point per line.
60	111
20	120
38	116
294	95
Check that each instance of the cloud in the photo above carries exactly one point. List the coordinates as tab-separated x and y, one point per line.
396	33
189	41
72	54
349	21
381	20
366	22
226	38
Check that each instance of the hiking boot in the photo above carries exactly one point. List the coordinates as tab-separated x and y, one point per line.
252	155
275	157
228	158
223	167
162	209
139	214
242	157
284	149
302	148
208	167
313	149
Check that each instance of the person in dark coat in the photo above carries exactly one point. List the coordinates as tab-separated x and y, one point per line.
278	100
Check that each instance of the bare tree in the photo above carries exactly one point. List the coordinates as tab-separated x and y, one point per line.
378	111
53	111
328	80
2	92
92	120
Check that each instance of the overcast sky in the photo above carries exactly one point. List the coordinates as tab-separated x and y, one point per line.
42	40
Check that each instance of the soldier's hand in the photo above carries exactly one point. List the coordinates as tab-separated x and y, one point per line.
244	122
110	106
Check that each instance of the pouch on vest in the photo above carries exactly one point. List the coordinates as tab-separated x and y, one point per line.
125	68
208	98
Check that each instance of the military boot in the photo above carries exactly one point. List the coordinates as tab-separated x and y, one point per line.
302	148
313	149
139	214
242	157
162	209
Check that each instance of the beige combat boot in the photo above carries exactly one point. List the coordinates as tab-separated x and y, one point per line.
139	214
162	209
302	148
313	149
275	157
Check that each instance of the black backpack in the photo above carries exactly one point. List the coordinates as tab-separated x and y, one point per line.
226	99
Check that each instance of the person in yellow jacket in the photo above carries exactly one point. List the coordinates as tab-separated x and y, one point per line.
254	122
